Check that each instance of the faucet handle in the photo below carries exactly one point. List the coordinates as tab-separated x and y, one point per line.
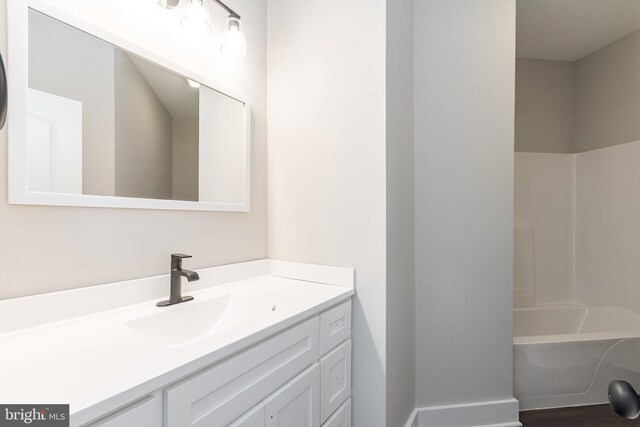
176	260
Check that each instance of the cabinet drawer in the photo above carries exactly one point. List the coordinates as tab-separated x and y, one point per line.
296	404
254	418
335	385
335	326
342	417
222	393
144	413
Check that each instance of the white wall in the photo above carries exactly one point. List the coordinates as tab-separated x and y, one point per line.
63	248
464	119
544	223
400	215
327	183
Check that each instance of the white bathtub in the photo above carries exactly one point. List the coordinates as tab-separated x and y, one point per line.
566	355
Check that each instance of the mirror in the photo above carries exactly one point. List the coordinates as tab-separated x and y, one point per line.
107	127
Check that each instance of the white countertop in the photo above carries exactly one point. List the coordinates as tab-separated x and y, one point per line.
96	362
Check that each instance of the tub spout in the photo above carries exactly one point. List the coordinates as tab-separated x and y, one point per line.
624	399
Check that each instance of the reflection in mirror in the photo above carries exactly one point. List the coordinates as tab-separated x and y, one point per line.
102	121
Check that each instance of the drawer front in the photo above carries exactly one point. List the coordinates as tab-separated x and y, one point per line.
254	418
335	386
297	404
144	413
335	326
219	395
342	417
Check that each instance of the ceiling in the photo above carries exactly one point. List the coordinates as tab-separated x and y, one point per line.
567	30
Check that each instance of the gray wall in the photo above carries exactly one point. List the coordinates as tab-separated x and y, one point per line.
185	159
464	131
62	247
69	63
572	107
400	214
608	101
545	106
144	152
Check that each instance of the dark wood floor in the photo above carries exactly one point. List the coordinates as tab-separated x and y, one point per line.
583	416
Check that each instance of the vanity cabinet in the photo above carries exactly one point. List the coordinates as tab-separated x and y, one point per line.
220	394
254	418
335	326
143	413
300	377
340	418
298	403
336	379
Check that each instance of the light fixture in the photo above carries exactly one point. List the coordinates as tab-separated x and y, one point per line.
235	43
193	84
196	20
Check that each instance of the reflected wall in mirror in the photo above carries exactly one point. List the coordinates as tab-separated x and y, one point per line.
102	121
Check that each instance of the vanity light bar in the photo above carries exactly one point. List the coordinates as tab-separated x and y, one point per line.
196	20
230	11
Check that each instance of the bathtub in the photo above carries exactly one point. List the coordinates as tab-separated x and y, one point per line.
566	355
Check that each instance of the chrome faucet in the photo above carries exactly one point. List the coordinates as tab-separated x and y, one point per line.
177	272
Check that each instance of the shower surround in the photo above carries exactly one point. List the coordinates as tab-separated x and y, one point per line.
576	272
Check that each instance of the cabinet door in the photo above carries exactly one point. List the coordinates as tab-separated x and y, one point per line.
342	416
254	418
297	404
335	370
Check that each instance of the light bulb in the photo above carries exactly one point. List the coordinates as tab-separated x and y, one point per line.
167	4
235	43
195	19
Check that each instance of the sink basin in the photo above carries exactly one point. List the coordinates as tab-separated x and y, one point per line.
183	323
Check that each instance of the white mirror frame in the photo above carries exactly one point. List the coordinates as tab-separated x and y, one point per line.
17	71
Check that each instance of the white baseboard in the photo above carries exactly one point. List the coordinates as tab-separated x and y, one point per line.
498	413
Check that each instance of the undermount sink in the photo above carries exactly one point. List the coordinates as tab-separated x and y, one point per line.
184	323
